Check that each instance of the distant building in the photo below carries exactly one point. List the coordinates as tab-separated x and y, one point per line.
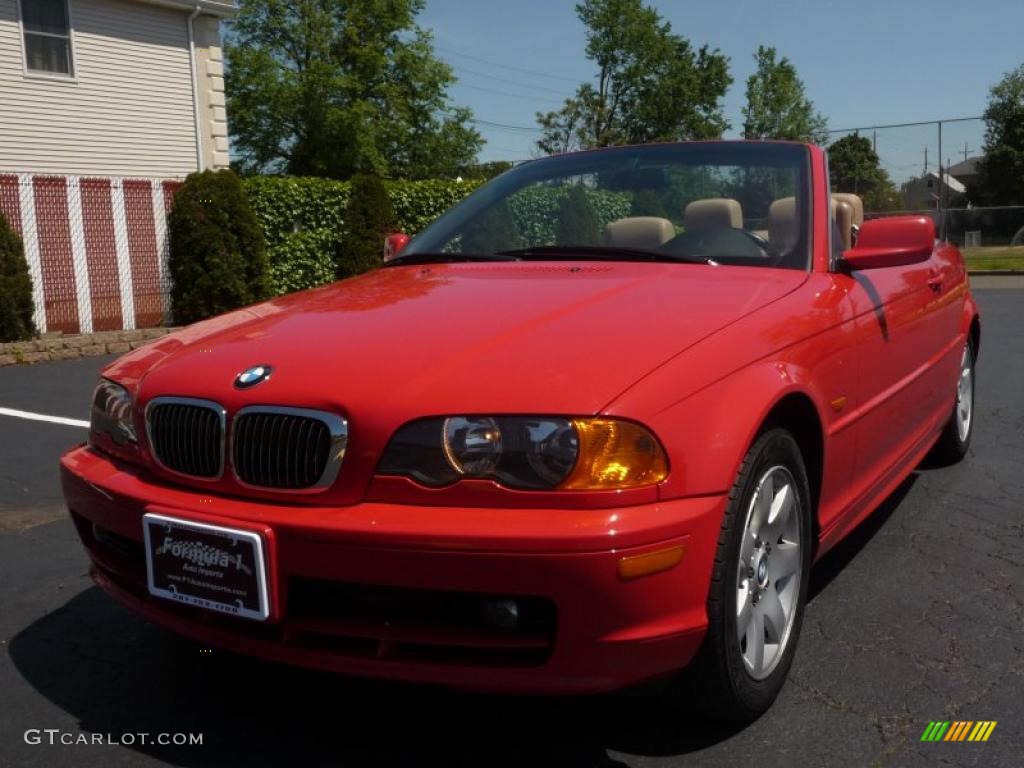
923	193
966	171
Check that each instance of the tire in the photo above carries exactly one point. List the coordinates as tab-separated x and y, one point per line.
734	686
955	439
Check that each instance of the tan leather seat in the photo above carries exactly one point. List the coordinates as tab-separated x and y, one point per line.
843	214
855	203
782	232
639	232
714	213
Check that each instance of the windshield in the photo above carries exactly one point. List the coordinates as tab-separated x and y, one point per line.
737	203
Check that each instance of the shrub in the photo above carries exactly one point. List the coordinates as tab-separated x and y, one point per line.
494	231
15	288
536	210
646	202
577	222
369	218
217	255
300	214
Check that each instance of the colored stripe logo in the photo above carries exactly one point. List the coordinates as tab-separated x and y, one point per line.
958	730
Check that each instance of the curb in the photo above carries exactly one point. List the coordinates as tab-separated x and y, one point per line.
57	346
995	272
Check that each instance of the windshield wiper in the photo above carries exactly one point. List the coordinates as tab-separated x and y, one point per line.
446	258
599	252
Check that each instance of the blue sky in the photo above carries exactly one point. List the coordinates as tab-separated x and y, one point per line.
863	63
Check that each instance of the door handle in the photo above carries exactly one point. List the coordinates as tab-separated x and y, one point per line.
934	281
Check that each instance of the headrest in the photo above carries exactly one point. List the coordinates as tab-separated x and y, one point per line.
782	224
855	203
842	211
639	232
714	213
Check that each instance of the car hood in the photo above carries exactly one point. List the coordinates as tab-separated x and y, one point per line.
448	338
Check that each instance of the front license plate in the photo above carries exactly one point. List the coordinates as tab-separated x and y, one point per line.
220	569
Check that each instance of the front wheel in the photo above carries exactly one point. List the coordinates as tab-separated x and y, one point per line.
759	581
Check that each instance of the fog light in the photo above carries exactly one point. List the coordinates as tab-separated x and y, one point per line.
502	614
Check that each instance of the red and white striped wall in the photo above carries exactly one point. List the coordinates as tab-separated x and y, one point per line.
96	249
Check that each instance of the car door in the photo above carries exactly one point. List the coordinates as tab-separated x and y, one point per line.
900	333
947	280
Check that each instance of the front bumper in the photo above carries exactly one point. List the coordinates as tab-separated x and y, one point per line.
590	629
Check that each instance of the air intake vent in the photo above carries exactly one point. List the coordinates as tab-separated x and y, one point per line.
186	436
287	448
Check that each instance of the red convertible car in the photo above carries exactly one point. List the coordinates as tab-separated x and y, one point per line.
591	426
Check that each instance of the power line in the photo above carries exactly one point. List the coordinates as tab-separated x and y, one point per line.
521	70
904	125
496	92
524	153
506	126
511	82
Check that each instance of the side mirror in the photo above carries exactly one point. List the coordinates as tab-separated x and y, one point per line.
892	242
393	245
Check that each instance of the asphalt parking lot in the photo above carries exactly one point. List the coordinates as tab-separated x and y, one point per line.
919	616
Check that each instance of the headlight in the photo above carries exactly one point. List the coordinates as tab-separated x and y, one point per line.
112	413
530	453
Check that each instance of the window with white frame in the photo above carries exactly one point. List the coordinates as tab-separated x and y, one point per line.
47	28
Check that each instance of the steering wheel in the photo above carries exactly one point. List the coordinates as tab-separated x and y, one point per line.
724	246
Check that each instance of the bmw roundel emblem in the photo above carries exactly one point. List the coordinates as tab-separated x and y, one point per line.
253	376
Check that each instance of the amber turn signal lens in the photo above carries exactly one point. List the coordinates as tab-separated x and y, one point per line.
635	566
614	455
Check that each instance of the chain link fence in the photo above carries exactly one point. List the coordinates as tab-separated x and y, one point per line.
933	170
96	249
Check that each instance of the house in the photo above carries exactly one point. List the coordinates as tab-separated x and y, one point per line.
966	171
922	193
105	105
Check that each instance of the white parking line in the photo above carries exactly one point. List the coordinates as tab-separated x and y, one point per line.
43	417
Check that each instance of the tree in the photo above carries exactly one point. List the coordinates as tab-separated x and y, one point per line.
217	258
486	170
335	87
368	220
777	107
15	288
1001	170
854	167
651	84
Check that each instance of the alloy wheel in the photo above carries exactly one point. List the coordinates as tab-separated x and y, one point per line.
769	571
965	395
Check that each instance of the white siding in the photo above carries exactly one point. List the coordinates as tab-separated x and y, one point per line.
128	111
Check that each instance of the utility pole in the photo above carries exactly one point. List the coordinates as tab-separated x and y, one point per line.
925	160
939	160
966	150
874	142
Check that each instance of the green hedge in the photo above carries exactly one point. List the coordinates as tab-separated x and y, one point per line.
536	210
303	260
303	221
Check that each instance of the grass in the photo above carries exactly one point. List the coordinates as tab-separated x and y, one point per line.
995	257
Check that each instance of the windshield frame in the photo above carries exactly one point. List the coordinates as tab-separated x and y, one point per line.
450	224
